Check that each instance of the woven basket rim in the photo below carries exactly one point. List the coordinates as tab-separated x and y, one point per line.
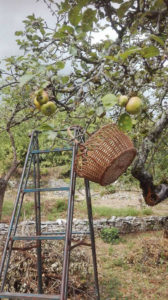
95	160
133	150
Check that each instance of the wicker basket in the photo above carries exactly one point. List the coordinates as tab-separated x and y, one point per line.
105	155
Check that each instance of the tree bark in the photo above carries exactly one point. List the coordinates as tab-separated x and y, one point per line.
153	194
3	186
5	179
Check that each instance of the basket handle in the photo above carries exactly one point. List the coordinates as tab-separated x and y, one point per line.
71	135
73	138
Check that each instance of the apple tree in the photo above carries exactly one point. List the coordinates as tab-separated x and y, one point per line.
85	76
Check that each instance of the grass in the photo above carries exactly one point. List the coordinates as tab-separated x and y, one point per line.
50	210
111	287
56	208
107	212
26	209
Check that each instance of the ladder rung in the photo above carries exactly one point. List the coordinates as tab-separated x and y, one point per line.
63	233
53	150
23	296
37	237
45	189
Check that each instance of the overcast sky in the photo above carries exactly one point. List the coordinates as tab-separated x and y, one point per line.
12	13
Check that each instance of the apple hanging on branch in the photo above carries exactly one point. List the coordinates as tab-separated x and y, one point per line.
123	100
42	103
48	108
42	96
37	104
134	105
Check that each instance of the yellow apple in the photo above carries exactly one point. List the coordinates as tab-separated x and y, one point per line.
48	108
37	104
134	105
122	100
42	96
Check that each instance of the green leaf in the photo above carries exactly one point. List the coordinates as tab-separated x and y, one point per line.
17	33
25	78
58	35
91	112
45	84
157	39
60	65
73	50
150	51
100	111
123	8
125	122
31	17
64	79
109	100
114	58
70	101
118	1
52	135
88	19
42	30
46	127
75	15
68	29
129	52
65	6
159	4
82	3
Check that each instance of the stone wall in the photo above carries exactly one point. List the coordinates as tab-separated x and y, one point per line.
124	224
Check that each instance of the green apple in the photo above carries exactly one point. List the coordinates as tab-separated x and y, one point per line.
42	96
123	100
48	108
134	105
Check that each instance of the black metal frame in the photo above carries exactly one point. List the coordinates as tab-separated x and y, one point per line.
33	157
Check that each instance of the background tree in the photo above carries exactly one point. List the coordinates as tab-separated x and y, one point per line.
12	114
77	72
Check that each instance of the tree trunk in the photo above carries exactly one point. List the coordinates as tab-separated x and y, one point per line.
3	186
5	178
153	194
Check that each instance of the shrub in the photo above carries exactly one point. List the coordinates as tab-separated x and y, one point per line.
61	205
110	235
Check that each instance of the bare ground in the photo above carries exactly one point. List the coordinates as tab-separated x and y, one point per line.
120	199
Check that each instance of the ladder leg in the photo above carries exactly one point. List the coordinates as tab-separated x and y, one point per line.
67	247
90	217
38	213
7	258
14	219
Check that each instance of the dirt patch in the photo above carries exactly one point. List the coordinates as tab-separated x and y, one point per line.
120	199
124	199
136	268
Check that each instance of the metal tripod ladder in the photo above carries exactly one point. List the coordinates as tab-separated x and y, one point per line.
32	158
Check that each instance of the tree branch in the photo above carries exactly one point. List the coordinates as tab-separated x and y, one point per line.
153	194
8	84
15	162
